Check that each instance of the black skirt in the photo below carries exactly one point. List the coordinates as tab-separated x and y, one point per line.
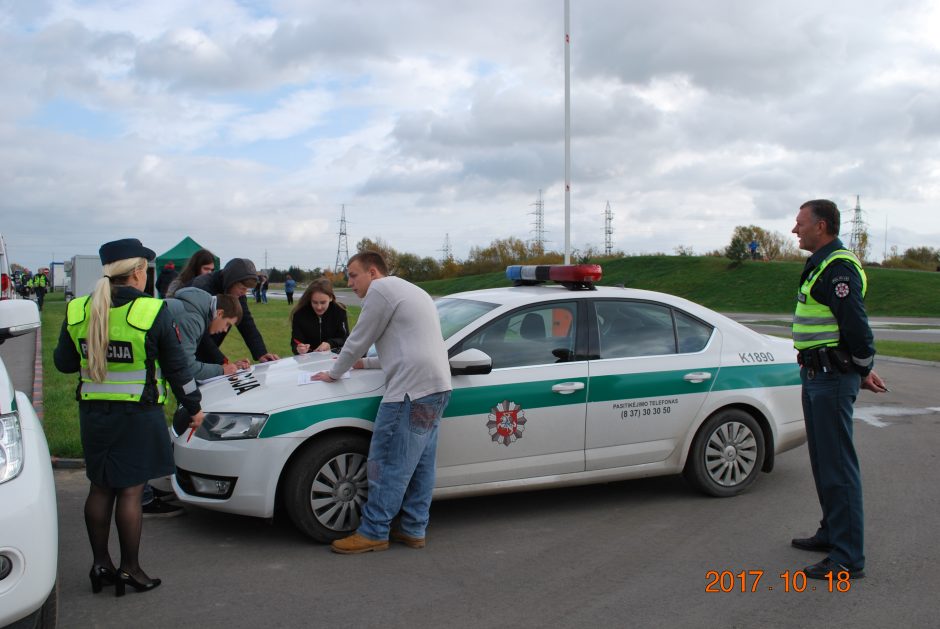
125	443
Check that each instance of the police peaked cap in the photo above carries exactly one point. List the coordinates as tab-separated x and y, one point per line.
124	249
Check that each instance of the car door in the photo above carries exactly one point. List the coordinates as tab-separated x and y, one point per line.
526	417
652	369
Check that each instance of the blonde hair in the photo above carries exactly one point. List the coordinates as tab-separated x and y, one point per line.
114	274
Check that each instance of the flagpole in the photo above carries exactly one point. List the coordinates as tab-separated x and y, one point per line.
567	136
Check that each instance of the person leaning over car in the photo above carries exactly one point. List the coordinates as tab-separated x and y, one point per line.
125	348
402	321
236	278
196	314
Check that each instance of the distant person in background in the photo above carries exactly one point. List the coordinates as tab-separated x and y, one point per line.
39	287
236	278
753	246
167	275
256	289
289	285
264	288
200	263
319	323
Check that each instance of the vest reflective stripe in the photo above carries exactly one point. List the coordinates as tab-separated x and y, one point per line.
813	323
124	376
129	372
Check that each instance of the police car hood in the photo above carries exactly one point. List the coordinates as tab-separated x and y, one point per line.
272	386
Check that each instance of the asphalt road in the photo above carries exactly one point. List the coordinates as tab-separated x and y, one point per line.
635	553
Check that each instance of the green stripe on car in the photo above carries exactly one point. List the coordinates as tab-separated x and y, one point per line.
539	394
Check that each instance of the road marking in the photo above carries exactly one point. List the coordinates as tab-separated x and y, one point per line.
872	414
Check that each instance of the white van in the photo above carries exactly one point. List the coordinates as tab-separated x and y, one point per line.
29	532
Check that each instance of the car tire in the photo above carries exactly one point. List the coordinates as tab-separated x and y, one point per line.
727	454
326	486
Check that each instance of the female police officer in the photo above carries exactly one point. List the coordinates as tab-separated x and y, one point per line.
125	348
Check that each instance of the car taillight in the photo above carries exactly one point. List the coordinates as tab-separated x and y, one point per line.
5	287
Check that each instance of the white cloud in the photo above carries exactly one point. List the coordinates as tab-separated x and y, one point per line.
248	125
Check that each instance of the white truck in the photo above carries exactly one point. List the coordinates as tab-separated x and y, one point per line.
83	272
57	278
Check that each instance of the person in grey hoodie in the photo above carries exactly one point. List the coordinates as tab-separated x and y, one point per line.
197	314
235	279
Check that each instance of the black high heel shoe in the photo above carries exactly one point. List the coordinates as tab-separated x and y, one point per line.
125	579
101	576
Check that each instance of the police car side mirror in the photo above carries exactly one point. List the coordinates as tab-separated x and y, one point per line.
17	316
471	362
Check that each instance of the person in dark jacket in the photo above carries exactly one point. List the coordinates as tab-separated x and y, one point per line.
236	278
125	347
319	323
167	275
200	263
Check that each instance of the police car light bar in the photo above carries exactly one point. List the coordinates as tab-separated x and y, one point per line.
573	276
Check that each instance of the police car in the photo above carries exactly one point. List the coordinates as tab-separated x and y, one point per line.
552	386
29	532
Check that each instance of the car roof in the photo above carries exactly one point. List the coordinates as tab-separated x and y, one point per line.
520	295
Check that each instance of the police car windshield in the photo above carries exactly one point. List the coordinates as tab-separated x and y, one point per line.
456	314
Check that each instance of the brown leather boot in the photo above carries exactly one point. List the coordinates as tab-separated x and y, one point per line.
407	540
356	543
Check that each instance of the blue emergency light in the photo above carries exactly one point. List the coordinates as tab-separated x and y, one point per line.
573	276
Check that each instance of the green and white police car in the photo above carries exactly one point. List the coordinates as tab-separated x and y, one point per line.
553	386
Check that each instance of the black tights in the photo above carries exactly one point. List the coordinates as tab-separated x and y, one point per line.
128	516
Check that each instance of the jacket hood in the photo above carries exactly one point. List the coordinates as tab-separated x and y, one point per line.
237	270
197	300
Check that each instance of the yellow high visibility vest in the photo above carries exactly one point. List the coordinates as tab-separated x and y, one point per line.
814	325
129	371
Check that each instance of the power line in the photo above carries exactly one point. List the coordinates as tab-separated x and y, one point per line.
539	224
858	240
446	253
342	247
608	230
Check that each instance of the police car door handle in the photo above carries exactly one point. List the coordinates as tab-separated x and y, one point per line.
697	377
567	388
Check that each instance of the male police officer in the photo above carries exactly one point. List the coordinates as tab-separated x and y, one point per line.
836	351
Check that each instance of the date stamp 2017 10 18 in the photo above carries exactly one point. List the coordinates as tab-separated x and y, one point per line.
750	581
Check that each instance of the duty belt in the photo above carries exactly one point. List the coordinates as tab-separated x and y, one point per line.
825	360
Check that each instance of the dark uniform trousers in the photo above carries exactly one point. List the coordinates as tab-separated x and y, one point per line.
828	400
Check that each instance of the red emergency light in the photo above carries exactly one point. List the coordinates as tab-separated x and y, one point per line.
573	276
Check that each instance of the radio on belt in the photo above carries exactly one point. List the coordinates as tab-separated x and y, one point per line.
572	276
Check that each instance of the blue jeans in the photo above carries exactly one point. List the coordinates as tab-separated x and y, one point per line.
402	459
828	400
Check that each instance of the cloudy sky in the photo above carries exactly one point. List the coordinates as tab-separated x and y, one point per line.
249	124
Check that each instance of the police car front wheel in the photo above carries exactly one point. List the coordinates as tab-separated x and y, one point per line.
326	486
727	453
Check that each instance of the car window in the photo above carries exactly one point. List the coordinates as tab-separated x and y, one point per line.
538	335
634	328
456	314
693	334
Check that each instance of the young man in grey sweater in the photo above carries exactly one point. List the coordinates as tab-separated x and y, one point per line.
402	321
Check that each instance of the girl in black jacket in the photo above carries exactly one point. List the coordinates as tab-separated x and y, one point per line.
319	323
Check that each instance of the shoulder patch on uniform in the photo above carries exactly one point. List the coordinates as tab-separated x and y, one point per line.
842	290
841	278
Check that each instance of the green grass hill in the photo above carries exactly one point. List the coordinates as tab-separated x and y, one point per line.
749	287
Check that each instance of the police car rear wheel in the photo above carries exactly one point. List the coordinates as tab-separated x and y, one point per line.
326	487
727	454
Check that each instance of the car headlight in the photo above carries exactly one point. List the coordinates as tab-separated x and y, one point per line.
11	447
219	426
